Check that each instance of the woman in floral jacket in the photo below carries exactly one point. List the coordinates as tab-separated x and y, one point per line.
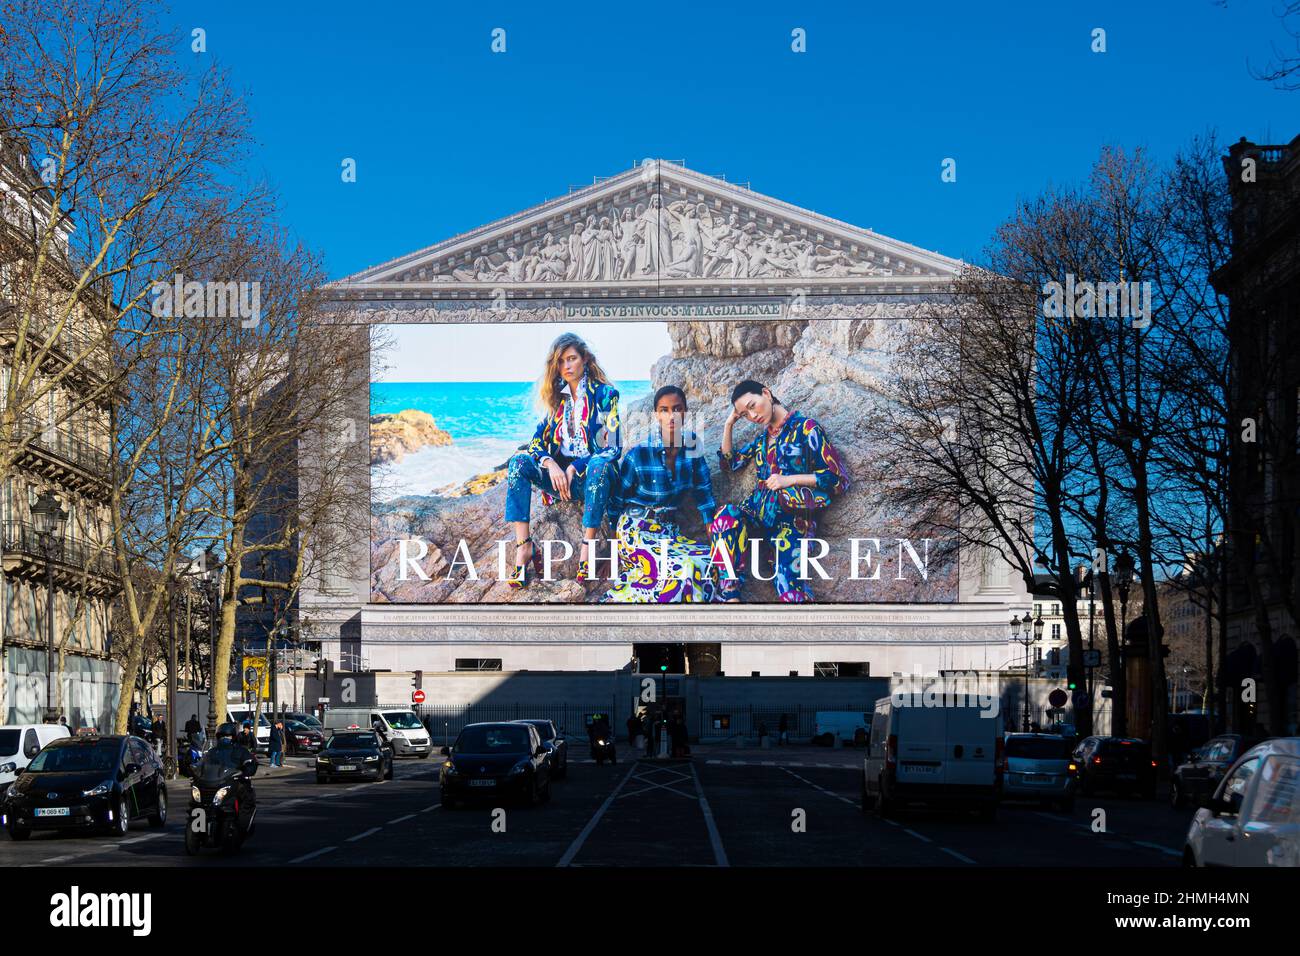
799	471
574	452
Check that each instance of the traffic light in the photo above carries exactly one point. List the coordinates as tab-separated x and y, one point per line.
663	668
1073	685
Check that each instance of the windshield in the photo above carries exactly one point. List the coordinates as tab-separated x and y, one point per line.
403	720
297	726
9	742
219	761
490	740
544	729
101	757
351	741
1037	748
309	720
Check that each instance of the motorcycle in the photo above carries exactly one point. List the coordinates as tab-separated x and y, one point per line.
223	803
602	748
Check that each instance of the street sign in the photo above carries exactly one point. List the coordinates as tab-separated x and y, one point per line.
417	696
322	700
1057	698
1092	658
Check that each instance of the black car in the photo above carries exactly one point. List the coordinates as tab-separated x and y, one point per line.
553	741
89	783
1196	780
498	760
1121	764
301	739
354	753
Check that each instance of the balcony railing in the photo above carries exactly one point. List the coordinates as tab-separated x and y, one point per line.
20	539
88	347
63	444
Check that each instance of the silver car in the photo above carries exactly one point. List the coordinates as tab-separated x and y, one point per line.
1039	767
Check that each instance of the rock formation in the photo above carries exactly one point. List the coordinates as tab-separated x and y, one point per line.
392	437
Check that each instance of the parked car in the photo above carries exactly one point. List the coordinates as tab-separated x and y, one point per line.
86	783
353	753
848	726
403	732
1253	818
1196	780
496	760
933	755
19	743
305	718
1119	764
553	741
1039	767
301	738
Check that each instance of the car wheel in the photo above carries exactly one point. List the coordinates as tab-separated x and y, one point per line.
121	819
19	832
159	816
884	806
1189	858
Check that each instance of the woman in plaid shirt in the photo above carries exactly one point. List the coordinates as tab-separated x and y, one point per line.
656	563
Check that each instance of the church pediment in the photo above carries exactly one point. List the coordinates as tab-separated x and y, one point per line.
660	223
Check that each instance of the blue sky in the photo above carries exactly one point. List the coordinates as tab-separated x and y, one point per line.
448	135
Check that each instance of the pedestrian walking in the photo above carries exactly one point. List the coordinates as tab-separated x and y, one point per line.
193	728
783	731
647	731
633	728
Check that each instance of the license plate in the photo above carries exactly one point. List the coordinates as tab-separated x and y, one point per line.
482	783
919	768
52	811
1126	776
348	766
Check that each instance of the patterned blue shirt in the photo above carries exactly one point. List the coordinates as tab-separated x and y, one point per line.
644	478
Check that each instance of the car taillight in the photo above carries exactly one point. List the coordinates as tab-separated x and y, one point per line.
1096	760
891	751
1153	763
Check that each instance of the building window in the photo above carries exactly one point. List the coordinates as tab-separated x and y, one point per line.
842	669
1038	610
1056	610
1056	632
1038	654
478	663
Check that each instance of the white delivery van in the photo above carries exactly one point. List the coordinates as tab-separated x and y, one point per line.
935	755
402	730
19	743
841	726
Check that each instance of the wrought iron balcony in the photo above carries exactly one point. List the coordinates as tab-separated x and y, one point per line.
74	342
75	562
54	452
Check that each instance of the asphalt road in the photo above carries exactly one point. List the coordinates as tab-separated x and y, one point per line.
769	810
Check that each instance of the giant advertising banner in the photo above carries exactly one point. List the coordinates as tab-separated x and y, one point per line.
637	455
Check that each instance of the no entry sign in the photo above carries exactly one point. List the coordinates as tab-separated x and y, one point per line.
417	697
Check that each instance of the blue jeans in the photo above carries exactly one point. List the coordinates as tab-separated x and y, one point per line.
593	488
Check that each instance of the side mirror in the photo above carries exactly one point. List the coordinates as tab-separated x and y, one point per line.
1231	805
445	751
131	768
541	751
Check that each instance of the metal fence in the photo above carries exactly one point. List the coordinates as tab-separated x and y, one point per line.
723	721
447	720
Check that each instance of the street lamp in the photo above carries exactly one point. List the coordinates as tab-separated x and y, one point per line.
48	517
1026	631
1124	568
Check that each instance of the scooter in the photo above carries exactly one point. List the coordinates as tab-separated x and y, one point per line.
602	748
223	803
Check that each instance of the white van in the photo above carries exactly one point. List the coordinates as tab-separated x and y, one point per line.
19	743
240	714
933	755
402	730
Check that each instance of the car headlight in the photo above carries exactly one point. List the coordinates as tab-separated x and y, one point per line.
221	795
196	794
99	791
371	759
11	790
519	767
449	767
321	758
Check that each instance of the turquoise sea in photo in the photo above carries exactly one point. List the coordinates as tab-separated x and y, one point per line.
487	421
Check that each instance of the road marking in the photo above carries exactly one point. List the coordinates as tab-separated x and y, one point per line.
719	854
581	838
402	819
922	837
1157	846
359	786
964	859
434	807
361	836
53	859
313	855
